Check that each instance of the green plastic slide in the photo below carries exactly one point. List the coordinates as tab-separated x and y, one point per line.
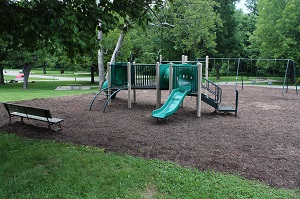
172	104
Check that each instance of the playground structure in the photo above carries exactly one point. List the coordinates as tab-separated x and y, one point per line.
180	78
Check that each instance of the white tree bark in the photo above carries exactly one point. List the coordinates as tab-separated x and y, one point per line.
100	54
100	59
118	47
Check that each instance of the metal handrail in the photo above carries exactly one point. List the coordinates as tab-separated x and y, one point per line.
216	90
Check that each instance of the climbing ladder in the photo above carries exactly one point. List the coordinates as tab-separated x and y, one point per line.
214	97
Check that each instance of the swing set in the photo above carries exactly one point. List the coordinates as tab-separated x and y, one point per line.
262	71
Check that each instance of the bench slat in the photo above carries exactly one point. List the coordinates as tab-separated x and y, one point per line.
38	112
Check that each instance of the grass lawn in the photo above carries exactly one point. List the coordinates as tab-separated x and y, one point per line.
47	169
42	89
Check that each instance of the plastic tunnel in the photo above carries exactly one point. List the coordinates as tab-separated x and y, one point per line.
185	78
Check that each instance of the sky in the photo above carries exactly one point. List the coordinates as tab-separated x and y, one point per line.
241	5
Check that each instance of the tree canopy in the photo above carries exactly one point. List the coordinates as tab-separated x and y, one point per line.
278	29
66	30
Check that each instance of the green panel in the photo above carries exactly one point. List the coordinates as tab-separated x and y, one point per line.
164	73
119	74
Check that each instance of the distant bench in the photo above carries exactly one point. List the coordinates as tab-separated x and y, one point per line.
74	85
44	115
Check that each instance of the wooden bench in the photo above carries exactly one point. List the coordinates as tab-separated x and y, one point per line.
44	115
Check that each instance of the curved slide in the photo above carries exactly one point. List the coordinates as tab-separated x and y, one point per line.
172	104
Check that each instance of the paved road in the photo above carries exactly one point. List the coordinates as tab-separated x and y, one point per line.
48	77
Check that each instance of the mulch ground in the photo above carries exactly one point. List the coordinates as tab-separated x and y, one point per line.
261	143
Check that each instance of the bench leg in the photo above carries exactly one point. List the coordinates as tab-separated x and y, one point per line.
58	124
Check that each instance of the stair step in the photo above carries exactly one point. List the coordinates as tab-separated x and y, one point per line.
226	109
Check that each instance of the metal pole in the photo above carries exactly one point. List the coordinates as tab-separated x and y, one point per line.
135	80
109	80
171	78
284	81
206	72
199	89
158	91
237	73
295	76
129	84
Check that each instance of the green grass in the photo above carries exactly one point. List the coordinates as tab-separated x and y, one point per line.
48	169
42	89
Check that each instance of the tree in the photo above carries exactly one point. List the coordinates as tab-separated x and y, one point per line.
278	30
277	33
245	28
252	6
48	24
227	41
18	36
289	26
4	52
70	23
185	27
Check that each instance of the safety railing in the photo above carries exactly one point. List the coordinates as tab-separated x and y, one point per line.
214	89
143	75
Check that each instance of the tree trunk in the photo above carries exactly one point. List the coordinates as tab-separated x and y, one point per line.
92	75
26	70
44	68
1	76
217	72
291	74
100	59
119	45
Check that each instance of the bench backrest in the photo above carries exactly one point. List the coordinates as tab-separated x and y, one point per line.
38	112
27	110
14	108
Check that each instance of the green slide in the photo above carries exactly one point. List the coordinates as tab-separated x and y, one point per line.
185	77
172	104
